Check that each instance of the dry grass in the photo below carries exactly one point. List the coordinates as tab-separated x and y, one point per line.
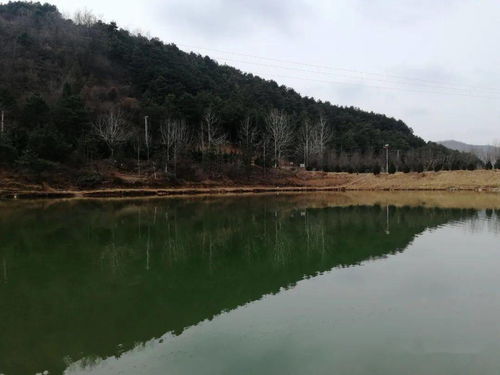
445	180
278	181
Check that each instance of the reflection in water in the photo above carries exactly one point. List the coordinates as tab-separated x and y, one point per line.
95	279
4	274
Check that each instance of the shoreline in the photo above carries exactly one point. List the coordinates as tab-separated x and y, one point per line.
216	191
303	199
444	181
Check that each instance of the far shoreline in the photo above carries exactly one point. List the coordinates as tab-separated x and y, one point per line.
443	181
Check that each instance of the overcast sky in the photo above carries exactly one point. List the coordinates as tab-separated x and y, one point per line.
432	63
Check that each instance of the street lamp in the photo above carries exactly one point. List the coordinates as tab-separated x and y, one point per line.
386	158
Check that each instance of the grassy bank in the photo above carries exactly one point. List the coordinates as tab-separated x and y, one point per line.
480	180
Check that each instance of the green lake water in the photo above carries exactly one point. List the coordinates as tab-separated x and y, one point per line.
248	285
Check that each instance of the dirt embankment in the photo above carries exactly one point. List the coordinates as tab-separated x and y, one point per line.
275	181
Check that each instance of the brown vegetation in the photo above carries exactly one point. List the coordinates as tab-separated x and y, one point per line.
120	184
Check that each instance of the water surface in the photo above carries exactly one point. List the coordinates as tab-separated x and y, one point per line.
250	285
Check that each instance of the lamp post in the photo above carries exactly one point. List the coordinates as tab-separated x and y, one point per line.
386	158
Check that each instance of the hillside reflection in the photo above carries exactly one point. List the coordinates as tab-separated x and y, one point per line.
93	279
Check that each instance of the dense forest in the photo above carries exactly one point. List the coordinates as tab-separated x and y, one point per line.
78	92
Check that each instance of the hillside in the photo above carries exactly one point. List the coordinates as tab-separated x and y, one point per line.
483	152
75	93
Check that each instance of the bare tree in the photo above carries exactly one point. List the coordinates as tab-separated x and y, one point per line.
247	140
84	17
280	133
306	134
112	129
211	134
174	136
322	134
210	120
264	146
495	154
147	135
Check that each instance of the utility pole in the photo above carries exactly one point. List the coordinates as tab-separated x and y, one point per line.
2	125
146	134
386	158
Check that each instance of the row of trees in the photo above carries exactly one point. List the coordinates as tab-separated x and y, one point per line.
277	142
66	133
272	144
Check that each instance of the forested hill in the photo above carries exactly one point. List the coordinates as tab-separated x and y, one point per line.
108	65
59	76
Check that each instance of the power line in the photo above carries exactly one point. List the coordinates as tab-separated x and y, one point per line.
385	88
364	73
457	90
373	86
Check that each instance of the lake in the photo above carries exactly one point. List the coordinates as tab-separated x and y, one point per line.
271	284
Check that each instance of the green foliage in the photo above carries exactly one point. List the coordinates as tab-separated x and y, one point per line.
7	101
31	163
48	143
71	118
61	76
162	75
488	165
35	113
89	180
392	168
8	152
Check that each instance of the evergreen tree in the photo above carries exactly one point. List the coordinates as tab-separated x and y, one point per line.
392	168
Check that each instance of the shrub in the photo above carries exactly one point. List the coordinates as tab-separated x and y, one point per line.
48	144
89	180
8	152
30	162
376	169
260	162
392	169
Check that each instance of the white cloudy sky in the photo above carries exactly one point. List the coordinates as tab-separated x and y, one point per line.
433	63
